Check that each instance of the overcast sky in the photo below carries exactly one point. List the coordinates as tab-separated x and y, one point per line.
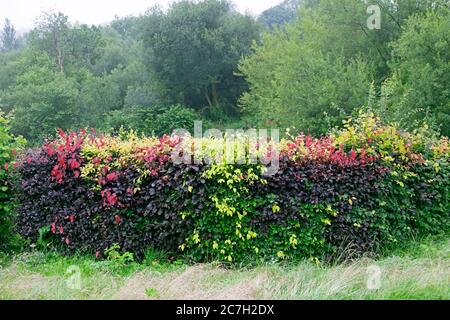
23	13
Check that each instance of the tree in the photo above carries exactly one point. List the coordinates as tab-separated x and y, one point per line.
324	62
194	49
85	46
73	76
72	47
42	98
8	36
280	14
155	120
52	36
8	68
340	28
419	87
291	84
97	97
309	69
129	27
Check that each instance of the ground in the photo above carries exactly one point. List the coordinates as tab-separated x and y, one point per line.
422	271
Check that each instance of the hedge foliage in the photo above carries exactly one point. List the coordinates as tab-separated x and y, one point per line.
366	185
9	146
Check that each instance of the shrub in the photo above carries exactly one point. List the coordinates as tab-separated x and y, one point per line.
413	197
157	120
8	150
364	186
174	117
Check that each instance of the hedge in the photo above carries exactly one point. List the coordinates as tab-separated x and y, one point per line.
9	146
361	187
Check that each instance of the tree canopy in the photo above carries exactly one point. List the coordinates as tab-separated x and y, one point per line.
8	39
304	63
321	67
281	14
194	49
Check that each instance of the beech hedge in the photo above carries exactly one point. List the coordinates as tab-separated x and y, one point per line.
9	147
361	187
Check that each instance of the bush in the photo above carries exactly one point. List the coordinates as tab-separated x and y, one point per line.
364	186
8	150
174	117
155	120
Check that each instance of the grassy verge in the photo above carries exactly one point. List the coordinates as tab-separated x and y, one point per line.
420	271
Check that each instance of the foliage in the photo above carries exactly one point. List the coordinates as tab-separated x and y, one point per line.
116	258
418	271
364	186
174	117
310	73
8	40
280	14
194	49
318	69
104	199
71	75
156	120
41	96
293	84
9	146
419	86
417	180
151	292
70	47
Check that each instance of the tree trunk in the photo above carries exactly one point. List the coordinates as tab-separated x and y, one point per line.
208	99
59	55
60	60
215	95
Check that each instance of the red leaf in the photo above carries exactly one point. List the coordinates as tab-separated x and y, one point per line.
111	177
73	164
61	133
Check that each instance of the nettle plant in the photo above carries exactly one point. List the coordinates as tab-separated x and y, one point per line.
364	186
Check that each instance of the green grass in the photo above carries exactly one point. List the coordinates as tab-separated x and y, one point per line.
418	271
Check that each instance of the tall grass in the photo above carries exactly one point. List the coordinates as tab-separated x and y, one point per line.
419	271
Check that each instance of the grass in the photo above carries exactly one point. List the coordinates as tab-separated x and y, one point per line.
419	271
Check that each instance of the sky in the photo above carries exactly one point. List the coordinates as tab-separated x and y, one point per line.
23	13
